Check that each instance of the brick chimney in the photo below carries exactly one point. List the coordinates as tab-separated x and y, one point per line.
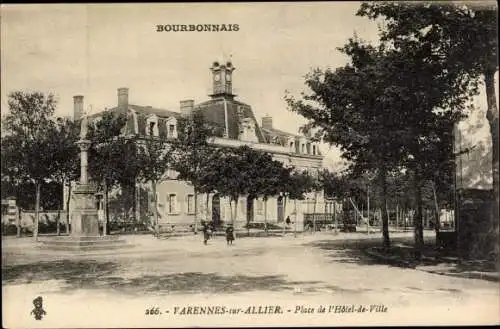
187	107
77	107
267	122
123	97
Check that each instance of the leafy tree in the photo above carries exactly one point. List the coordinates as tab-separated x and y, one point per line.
262	175
65	157
353	108
463	39
112	156
227	176
389	108
243	171
295	185
26	147
154	157
192	155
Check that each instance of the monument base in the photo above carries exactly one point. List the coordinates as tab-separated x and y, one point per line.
84	243
84	219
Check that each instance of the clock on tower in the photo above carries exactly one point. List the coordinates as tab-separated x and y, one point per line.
222	79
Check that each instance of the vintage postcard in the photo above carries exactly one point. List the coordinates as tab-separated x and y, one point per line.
249	164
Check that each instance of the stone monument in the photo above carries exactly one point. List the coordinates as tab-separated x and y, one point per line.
84	218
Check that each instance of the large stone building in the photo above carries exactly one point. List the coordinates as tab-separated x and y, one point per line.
237	126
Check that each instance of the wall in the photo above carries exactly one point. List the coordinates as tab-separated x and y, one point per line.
28	217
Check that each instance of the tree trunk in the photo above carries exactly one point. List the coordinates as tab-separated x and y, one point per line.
235	215
68	199
58	230
105	229
265	215
208	208
314	211
155	209
284	213
417	222
397	215
18	222
134	203
295	218
437	224
385	215
250	199
37	211
195	210
335	216
492	116
137	200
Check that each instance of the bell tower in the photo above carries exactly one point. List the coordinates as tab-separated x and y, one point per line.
222	80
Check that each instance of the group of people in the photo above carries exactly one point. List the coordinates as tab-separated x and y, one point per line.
209	229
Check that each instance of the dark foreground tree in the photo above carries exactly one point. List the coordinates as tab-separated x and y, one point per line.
463	39
26	146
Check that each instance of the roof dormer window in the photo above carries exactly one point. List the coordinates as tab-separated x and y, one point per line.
171	128
152	126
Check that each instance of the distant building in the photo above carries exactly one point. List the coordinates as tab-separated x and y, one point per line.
237	126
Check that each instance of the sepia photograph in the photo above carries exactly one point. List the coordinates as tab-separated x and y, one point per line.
246	164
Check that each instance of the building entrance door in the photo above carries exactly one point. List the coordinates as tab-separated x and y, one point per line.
281	215
216	209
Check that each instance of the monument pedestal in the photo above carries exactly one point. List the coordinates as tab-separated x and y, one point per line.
84	227
84	221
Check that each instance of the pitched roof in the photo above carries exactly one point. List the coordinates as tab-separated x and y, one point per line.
142	114
147	110
214	112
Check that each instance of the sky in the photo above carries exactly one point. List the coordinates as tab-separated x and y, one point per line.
93	49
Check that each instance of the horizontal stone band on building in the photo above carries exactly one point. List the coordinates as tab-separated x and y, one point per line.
198	28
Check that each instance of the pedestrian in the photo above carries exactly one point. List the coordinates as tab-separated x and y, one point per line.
206	232
212	228
288	221
229	234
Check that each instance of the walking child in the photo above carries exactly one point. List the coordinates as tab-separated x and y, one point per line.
206	232
229	234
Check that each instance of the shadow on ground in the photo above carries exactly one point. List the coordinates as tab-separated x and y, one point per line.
401	254
347	252
90	274
353	251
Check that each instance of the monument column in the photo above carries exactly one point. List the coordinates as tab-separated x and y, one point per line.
84	221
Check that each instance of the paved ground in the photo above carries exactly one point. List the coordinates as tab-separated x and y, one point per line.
303	274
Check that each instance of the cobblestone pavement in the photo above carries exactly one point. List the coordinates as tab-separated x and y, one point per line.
113	289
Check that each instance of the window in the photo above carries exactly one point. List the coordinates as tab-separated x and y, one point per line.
314	149
303	148
172	203
260	207
171	127
190	204
242	206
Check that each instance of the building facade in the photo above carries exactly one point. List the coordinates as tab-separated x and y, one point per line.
237	126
